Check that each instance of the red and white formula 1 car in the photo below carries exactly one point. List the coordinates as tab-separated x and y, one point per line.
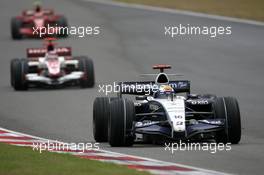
33	22
51	66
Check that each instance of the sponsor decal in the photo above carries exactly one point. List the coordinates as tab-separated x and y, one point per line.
198	102
37	51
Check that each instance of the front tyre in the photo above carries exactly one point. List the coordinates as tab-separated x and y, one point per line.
101	114
16	24
122	114
12	70
19	74
227	108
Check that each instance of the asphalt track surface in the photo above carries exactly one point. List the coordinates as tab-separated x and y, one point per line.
131	41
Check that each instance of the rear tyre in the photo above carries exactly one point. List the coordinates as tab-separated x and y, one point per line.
86	66
227	108
62	22
15	28
101	113
122	113
19	74
12	70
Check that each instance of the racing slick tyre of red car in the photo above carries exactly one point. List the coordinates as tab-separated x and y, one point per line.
62	22
20	69
15	28
227	108
120	126
86	66
101	114
12	68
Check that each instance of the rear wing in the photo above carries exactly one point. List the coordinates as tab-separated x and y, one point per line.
40	52
32	12
149	87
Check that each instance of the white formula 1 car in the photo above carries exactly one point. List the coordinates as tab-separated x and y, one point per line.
51	66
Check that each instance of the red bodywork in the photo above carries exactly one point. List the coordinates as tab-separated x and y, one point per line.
161	67
31	18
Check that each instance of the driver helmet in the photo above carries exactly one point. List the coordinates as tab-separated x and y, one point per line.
37	6
50	47
164	91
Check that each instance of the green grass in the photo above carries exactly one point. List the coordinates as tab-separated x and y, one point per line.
248	9
24	161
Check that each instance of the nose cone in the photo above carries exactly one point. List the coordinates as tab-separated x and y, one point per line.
39	22
53	67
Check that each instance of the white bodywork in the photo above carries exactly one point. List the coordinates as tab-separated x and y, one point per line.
53	67
175	111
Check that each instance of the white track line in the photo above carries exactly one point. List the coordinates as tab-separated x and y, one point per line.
197	170
173	11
